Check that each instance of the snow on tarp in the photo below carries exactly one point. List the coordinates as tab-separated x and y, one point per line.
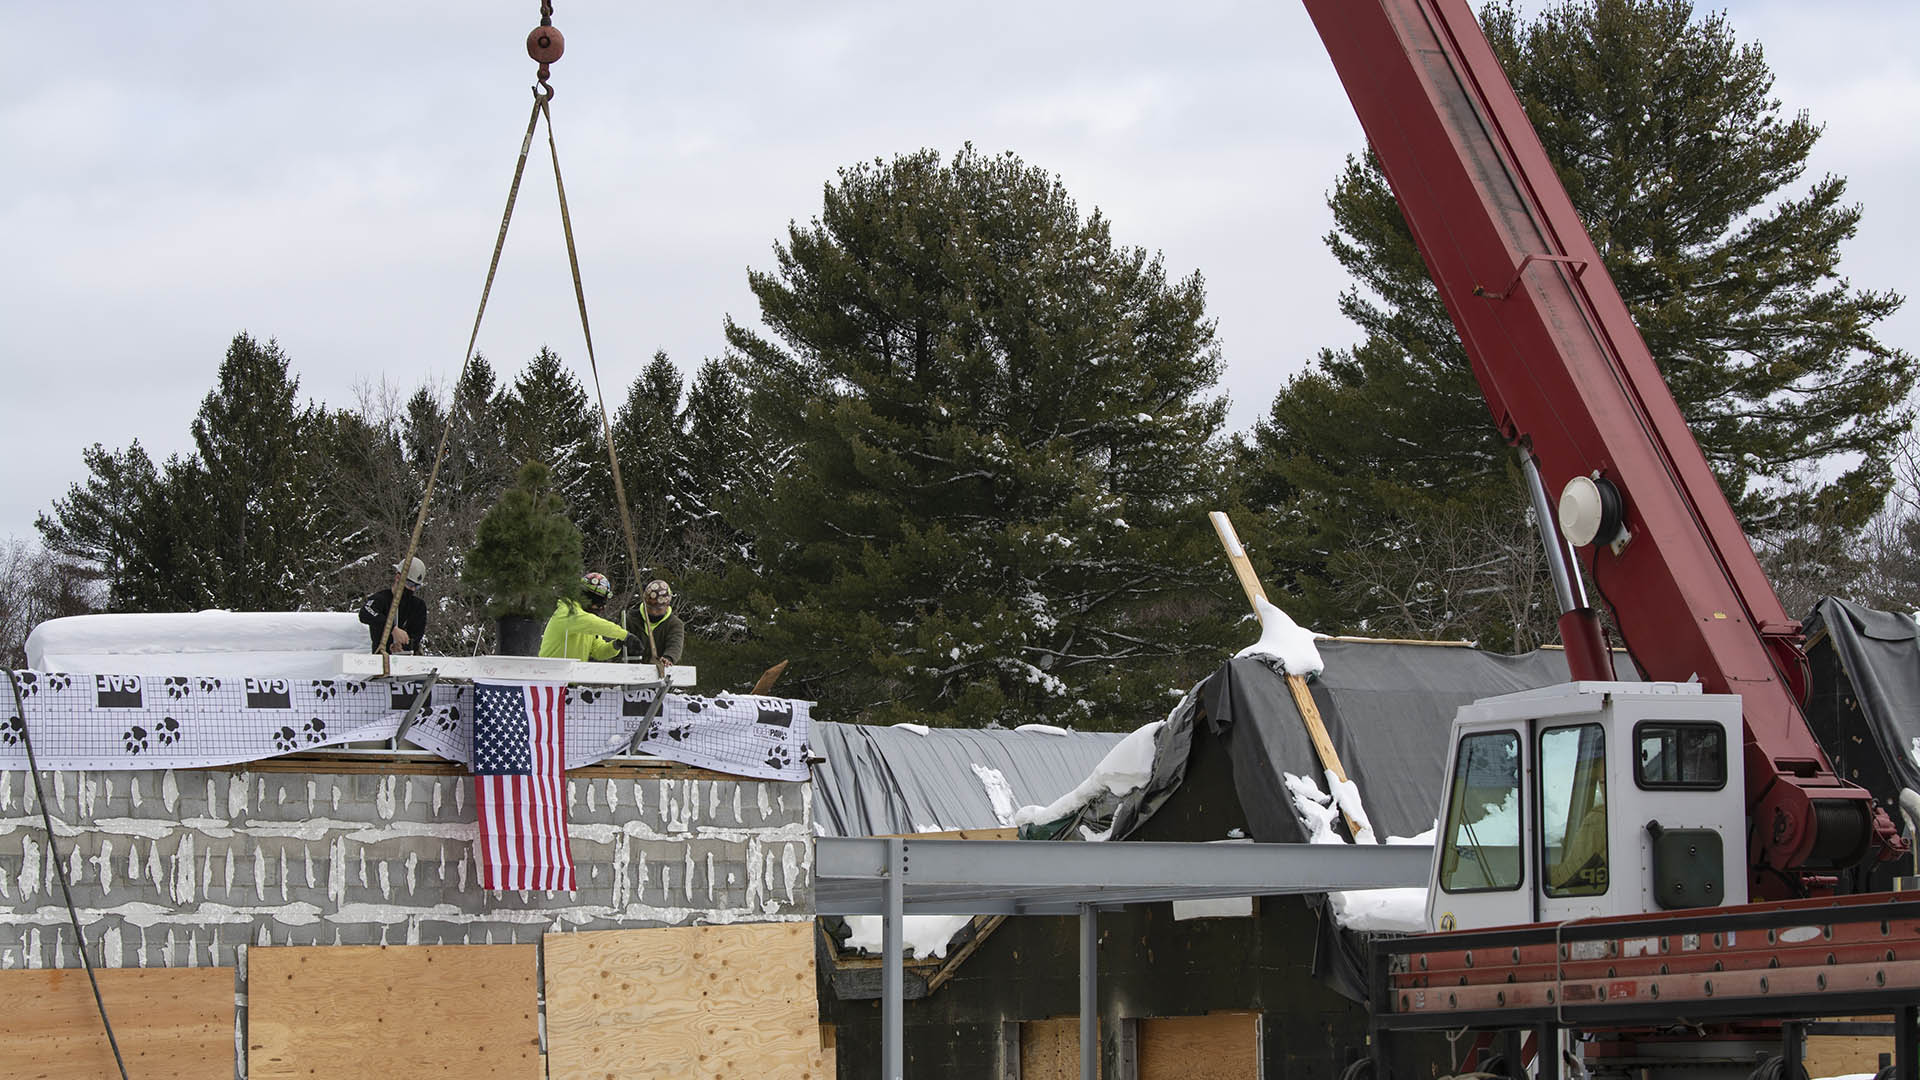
999	792
922	935
1286	641
1126	767
286	644
1403	910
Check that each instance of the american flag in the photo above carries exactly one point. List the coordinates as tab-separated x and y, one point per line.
519	740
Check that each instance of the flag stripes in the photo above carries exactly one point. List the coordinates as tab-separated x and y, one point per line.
519	740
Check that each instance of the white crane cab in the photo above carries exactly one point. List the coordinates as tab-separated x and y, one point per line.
1588	799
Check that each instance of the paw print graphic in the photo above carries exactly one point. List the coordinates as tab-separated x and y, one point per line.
779	757
446	718
722	704
29	682
135	740
696	705
13	731
58	682
207	686
314	730
353	687
178	687
680	732
588	697
167	731
323	689
286	739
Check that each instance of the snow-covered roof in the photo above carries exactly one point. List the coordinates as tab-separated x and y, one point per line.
289	644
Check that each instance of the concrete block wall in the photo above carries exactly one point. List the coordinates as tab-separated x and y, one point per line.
184	868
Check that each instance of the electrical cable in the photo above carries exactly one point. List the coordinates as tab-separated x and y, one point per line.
60	865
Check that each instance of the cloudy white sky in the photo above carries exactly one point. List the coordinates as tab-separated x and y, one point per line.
331	175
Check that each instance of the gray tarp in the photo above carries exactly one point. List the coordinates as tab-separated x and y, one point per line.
882	781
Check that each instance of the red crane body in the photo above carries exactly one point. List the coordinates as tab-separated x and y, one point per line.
1567	374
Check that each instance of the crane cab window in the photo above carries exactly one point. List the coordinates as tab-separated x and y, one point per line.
1670	754
1573	810
1481	846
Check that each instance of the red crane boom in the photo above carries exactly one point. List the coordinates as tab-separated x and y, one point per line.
1567	375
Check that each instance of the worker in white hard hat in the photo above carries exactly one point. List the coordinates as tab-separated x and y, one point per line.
410	628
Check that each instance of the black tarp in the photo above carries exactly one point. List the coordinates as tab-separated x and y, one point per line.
1387	706
1865	700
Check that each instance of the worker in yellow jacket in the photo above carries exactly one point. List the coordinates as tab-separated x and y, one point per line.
577	631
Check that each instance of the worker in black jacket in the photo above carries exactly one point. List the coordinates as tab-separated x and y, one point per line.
410	628
665	635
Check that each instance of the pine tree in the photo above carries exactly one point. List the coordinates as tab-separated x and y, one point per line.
720	452
987	455
134	522
526	553
1688	174
548	417
260	465
647	433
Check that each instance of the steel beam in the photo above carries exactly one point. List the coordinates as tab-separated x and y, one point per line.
1032	877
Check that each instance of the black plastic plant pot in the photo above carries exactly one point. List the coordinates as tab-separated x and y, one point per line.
519	636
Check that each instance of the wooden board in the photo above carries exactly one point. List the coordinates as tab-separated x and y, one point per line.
392	1011
170	1023
955	834
1218	1046
708	1002
1297	684
1838	1055
551	669
1050	1049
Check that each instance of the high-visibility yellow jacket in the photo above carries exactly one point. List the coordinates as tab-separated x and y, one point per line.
578	634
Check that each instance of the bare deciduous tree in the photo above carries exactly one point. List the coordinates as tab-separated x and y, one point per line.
37	585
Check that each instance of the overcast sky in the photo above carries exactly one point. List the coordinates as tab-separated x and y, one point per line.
332	174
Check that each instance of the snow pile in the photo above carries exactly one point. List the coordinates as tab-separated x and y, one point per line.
1043	729
917	729
999	792
1403	910
922	935
298	644
1127	766
1286	641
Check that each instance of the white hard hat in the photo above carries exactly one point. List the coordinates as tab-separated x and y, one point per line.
416	573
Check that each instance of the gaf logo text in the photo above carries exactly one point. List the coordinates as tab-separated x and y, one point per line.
117	691
775	711
269	694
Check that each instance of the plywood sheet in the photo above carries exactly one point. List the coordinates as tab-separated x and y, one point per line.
1050	1049
708	1002
1838	1055
1218	1046
170	1023
393	1011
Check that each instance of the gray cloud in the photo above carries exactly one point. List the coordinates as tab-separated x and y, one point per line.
332	175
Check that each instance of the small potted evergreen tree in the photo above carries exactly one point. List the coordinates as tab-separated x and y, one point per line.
525	556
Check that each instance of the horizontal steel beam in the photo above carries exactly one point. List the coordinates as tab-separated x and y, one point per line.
1036	877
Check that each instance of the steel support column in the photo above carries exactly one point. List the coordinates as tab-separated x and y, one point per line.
892	979
1906	1043
1546	1040
1089	993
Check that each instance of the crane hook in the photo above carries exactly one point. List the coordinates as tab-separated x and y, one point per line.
545	46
